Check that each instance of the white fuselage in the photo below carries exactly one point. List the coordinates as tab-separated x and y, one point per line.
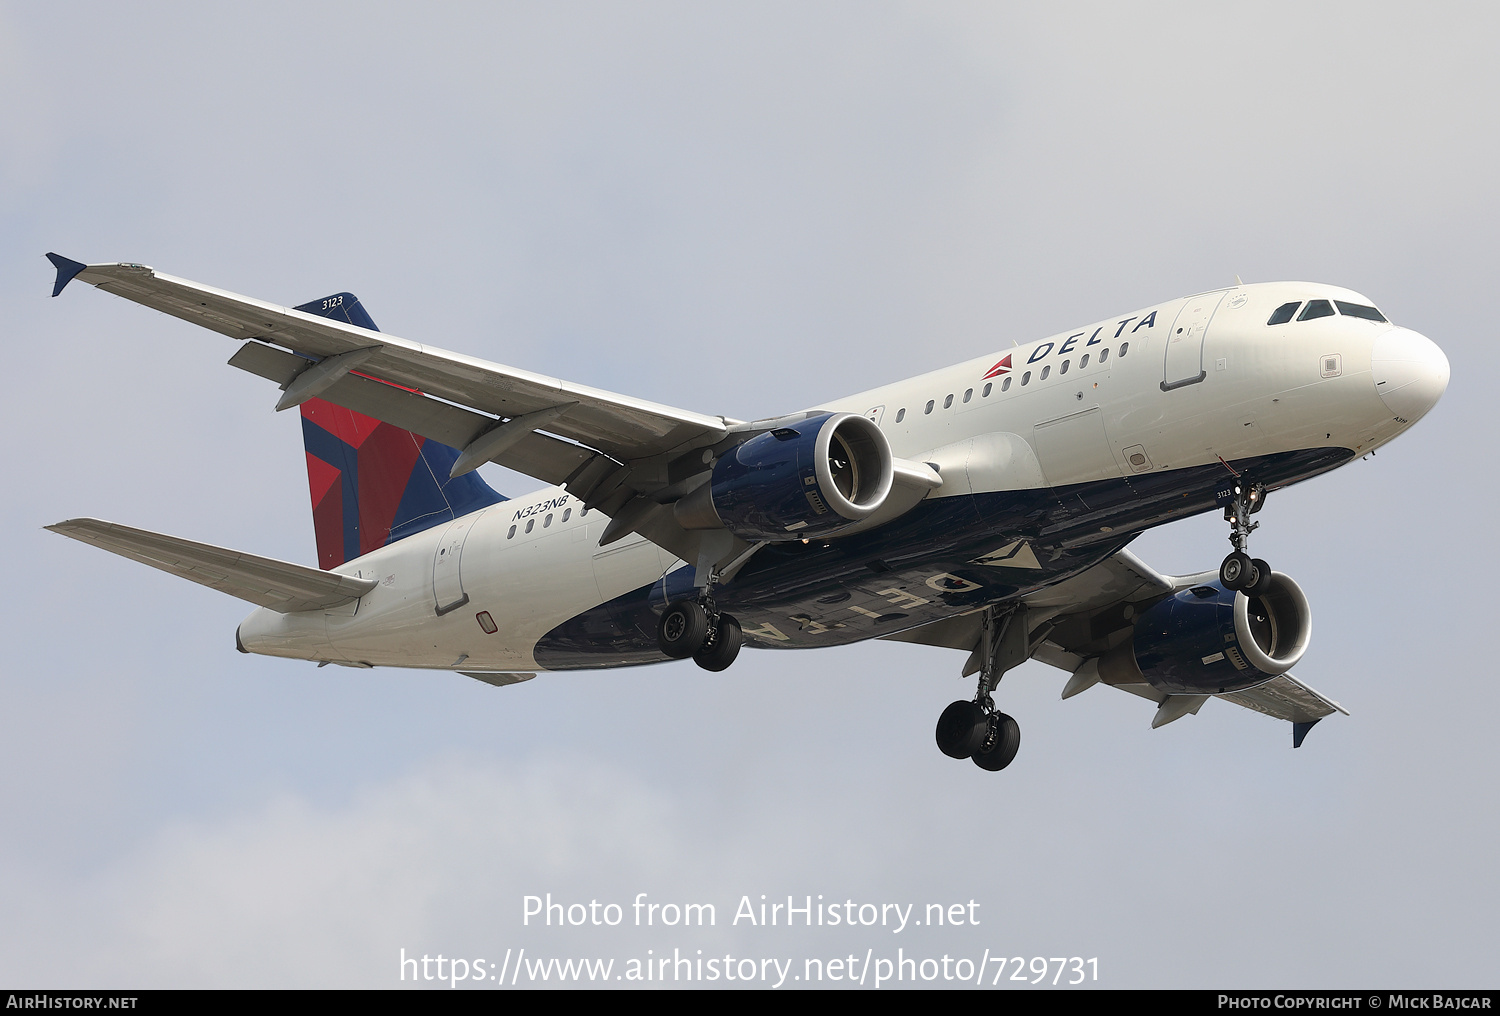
1177	385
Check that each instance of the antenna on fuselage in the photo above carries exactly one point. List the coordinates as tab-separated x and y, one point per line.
1237	281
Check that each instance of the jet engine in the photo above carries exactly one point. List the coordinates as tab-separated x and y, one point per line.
812	478
1207	639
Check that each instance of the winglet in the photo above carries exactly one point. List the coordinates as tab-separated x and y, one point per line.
66	270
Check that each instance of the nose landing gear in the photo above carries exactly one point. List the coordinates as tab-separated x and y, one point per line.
976	729
1239	570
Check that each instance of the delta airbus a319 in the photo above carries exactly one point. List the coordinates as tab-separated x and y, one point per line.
985	507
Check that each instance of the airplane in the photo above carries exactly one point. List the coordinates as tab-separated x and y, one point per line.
985	507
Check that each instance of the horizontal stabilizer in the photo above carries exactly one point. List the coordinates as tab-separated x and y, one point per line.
279	585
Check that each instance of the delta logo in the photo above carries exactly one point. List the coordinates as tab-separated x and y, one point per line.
1071	342
1003	367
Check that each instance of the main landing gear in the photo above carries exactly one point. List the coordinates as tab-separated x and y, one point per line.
976	729
696	628
1240	571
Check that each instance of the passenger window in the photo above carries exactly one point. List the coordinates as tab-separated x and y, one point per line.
583	513
1045	371
1316	309
900	415
1064	368
1084	362
948	402
986	393
567	514
968	394
1358	310
928	409
1281	315
511	534
547	521
1104	354
529	524
1005	385
1025	378
1124	348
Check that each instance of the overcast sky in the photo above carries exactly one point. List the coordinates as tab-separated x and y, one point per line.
737	209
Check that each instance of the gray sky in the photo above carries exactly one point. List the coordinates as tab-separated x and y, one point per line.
740	210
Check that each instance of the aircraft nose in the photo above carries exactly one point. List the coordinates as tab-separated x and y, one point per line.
1410	372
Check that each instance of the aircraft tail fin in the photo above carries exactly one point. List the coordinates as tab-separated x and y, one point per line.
372	483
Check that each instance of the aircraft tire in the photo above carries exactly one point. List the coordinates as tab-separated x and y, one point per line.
682	629
1262	583
1234	573
1007	741
961	729
720	651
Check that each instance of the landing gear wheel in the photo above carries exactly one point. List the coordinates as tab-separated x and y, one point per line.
1260	585
1002	741
682	629
1235	572
962	729
722	646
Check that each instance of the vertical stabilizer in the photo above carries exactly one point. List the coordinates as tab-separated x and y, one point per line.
372	483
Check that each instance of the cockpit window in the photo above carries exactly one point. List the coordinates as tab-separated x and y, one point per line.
1316	309
1281	315
1359	310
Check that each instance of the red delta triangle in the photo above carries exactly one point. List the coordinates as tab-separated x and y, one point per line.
1003	367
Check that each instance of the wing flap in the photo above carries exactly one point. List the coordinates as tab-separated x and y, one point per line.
279	585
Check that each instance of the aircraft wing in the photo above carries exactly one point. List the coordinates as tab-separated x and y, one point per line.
279	585
609	450
1083	617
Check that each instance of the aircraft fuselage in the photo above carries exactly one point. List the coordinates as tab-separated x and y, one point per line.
1053	455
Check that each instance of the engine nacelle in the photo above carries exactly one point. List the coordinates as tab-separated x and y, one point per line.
810	479
1208	639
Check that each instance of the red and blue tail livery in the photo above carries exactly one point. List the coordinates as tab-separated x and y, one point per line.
373	483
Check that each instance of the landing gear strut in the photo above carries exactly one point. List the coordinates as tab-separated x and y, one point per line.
696	628
1240	571
976	729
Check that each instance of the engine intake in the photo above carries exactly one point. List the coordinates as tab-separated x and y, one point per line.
810	479
1208	639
